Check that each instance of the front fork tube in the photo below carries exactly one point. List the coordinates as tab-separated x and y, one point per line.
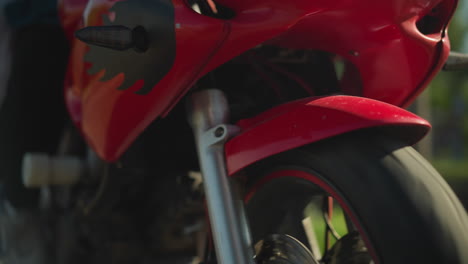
208	113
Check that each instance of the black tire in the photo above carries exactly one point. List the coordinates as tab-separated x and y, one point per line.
403	208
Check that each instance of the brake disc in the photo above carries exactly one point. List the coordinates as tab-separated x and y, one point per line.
282	249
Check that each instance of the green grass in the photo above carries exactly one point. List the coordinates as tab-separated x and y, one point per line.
456	174
318	223
452	170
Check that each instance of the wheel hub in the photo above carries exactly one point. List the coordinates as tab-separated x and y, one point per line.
349	249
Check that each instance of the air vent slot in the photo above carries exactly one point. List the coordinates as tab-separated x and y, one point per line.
435	20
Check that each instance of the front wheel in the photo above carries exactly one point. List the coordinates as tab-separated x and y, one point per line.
399	209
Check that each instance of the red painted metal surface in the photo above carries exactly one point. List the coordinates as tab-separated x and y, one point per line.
309	120
395	60
111	119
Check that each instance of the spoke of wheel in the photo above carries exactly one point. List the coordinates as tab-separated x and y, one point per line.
327	209
308	225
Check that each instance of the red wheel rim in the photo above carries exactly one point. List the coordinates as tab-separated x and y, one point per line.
308	176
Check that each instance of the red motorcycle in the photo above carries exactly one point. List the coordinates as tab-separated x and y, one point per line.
294	107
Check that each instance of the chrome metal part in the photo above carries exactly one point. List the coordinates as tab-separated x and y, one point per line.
456	61
283	249
208	115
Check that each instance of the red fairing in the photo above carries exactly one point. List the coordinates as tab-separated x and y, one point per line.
110	119
395	52
309	120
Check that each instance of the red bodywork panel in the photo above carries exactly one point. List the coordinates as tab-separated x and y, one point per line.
395	60
309	120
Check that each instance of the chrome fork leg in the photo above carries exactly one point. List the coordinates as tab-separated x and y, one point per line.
208	116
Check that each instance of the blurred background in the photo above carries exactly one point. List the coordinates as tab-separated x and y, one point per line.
445	105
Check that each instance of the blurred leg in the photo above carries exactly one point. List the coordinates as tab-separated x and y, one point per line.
33	114
4	54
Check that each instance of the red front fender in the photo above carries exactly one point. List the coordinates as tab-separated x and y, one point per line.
309	120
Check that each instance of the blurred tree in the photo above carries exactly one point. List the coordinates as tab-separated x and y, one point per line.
449	94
